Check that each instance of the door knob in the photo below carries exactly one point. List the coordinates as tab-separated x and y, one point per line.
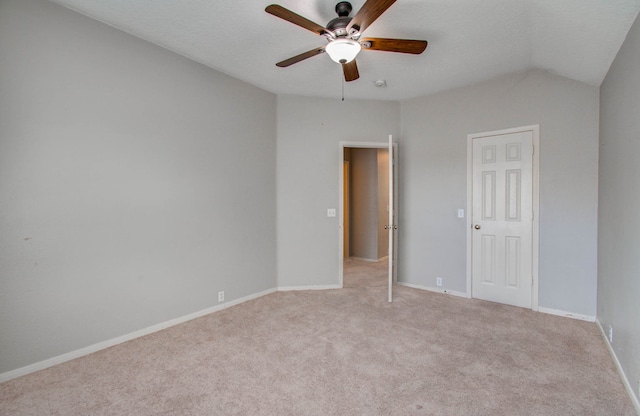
386	227
477	227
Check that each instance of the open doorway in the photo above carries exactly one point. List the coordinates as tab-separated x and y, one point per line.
365	208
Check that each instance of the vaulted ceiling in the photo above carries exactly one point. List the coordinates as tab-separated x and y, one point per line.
469	40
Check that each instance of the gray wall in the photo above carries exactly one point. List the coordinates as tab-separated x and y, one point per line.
134	184
432	177
309	130
619	219
364	204
432	240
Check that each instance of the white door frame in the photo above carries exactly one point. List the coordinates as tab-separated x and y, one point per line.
363	145
535	235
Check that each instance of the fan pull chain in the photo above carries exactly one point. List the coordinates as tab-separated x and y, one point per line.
342	88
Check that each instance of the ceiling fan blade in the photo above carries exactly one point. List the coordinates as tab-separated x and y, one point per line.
294	18
301	57
395	45
350	70
369	12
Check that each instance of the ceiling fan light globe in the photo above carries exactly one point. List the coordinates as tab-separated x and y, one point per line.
343	51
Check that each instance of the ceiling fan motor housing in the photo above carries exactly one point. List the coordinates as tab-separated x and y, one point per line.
338	26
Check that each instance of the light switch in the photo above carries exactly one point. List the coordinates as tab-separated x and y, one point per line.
331	212
461	213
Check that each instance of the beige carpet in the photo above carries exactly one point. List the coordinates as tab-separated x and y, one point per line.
341	352
362	273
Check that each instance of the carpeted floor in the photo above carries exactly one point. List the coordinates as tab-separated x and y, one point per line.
341	352
363	273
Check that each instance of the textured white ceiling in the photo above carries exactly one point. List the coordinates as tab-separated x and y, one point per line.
469	40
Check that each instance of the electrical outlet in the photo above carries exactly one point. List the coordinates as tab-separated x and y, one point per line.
438	281
221	296
610	333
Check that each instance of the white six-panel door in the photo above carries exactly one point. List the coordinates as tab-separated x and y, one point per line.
502	218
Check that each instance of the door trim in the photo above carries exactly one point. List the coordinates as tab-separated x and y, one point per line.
535	232
364	145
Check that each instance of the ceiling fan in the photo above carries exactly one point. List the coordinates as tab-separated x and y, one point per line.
343	35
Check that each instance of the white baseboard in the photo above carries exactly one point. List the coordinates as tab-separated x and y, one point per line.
367	259
549	311
317	287
623	376
566	314
50	362
238	301
434	289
